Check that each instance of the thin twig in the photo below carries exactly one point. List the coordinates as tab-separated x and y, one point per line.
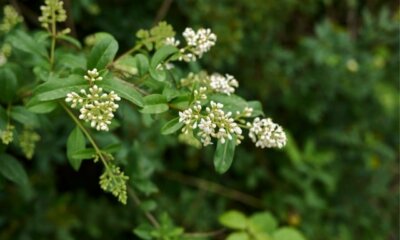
26	12
205	234
138	202
70	20
215	188
162	11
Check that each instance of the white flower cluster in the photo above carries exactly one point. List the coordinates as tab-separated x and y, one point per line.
198	43
222	84
171	41
93	76
214	124
201	41
53	10
95	106
265	133
216	82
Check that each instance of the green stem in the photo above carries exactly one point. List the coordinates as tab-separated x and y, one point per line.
53	38
9	114
130	51
131	192
87	134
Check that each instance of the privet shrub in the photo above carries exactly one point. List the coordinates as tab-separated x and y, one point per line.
47	76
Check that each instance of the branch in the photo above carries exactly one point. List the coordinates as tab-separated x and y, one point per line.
70	21
162	11
215	188
205	234
138	202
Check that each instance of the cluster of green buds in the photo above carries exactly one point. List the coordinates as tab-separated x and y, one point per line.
53	11
10	19
5	53
113	180
96	106
27	141
7	135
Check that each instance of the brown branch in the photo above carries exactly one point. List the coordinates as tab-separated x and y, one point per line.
138	202
215	188
162	11
26	12
70	20
204	234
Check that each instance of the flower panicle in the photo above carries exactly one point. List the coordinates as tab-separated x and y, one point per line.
53	11
96	106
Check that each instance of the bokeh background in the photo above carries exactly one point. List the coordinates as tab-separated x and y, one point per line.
328	71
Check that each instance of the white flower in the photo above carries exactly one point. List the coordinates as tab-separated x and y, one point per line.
93	75
95	106
214	124
265	133
171	41
222	84
198	43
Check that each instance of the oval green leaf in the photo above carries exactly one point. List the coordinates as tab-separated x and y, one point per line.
171	126
13	170
233	219
103	52
224	154
8	83
75	143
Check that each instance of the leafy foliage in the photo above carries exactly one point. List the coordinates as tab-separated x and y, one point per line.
329	79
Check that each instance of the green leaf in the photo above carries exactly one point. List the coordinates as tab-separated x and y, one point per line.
155	109
71	40
11	169
159	75
223	155
88	153
262	236
181	102
231	103
162	54
233	219
148	205
171	126
287	233
36	106
8	83
112	148
142	63
262	222
123	89
257	108
25	117
59	88
102	53
127	64
144	231
24	42
155	104
75	143
238	236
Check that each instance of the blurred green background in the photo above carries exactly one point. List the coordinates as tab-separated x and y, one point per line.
327	71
